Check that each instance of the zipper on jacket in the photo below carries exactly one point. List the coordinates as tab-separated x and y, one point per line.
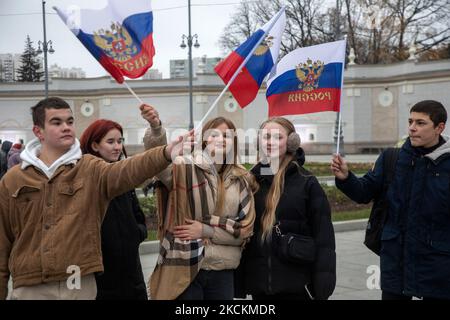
403	237
404	231
269	257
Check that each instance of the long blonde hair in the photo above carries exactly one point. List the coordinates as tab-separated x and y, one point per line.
276	189
238	170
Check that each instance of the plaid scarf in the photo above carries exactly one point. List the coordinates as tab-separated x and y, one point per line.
193	196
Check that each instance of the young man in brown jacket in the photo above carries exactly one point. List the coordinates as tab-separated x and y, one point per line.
52	207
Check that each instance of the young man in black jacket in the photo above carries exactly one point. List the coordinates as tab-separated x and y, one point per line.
415	242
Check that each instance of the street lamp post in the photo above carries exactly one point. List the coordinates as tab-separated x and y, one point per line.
189	39
45	49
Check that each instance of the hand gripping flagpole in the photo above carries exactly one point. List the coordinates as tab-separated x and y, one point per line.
340	101
240	68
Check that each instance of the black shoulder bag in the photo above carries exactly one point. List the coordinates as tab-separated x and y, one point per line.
295	248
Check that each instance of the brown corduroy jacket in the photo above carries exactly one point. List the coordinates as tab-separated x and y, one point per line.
49	225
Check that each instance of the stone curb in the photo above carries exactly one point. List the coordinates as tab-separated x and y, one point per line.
151	247
350	225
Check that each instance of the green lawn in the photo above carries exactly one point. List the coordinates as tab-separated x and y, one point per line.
350	215
323	169
152	235
336	216
338	201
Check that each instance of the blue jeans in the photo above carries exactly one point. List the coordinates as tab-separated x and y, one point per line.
210	285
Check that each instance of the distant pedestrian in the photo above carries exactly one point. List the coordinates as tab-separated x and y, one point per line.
6	146
14	155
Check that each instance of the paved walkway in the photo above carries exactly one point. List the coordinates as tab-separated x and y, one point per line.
354	158
353	259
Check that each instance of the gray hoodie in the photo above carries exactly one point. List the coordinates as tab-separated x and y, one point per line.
445	148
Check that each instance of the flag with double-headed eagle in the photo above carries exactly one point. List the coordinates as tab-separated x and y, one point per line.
307	80
246	85
119	36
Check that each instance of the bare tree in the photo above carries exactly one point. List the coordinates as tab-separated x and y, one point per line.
241	26
303	25
380	31
424	22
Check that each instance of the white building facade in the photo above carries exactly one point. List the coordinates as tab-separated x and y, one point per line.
180	68
10	64
55	71
375	108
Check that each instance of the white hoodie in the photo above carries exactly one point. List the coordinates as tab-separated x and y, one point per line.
30	157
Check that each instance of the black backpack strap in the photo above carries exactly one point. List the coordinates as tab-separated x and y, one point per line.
389	163
379	212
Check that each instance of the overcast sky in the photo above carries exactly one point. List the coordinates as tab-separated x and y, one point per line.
209	17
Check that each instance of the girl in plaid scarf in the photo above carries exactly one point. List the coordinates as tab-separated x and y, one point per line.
206	214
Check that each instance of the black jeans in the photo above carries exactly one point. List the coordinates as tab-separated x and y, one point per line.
394	296
210	285
282	296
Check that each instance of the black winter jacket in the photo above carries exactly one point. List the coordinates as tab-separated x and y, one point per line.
123	229
303	209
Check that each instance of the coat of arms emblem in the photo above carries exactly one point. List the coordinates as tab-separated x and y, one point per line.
264	46
117	42
309	73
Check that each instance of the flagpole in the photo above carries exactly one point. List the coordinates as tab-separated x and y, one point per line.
340	100
240	68
133	93
339	130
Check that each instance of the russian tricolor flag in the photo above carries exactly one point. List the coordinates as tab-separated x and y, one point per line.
119	36
307	80
247	83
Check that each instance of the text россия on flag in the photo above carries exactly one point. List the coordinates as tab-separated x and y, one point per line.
307	80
